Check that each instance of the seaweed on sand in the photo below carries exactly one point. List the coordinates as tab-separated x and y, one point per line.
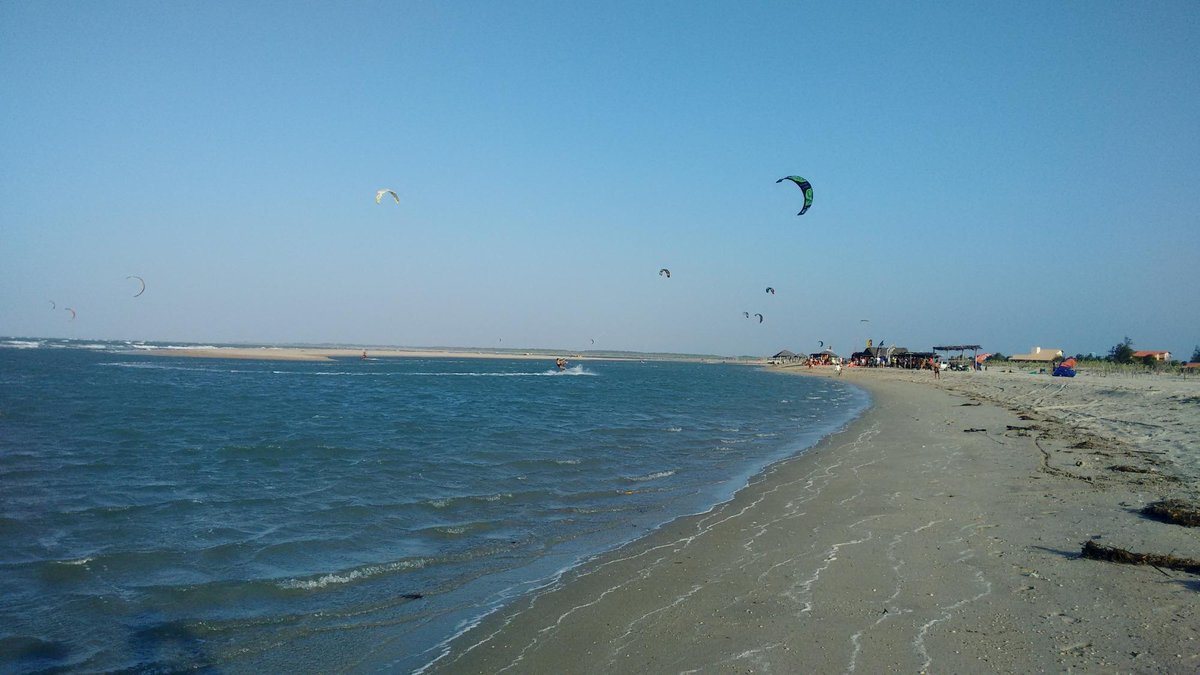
1175	511
1095	551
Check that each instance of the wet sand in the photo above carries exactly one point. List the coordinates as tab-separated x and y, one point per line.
940	532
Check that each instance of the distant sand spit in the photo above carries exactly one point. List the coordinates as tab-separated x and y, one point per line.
328	354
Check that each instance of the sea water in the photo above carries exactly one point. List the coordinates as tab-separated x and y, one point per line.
167	513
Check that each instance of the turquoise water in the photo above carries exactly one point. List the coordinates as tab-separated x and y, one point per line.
167	513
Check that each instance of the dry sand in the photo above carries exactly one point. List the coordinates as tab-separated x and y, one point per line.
904	543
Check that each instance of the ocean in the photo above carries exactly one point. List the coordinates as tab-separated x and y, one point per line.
169	513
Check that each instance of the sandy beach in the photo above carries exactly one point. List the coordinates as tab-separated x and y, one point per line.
939	532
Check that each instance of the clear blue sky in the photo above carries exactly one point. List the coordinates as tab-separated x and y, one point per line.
1004	174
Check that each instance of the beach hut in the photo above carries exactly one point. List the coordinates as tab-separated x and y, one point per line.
1039	355
961	362
785	356
825	358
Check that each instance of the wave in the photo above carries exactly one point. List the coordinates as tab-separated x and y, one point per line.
443	502
143	345
366	572
152	366
21	344
649	477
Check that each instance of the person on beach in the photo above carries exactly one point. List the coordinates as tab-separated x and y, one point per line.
838	368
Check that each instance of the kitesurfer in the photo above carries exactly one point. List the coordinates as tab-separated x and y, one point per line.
803	185
560	363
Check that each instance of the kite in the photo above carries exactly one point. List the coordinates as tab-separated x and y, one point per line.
760	317
143	282
770	290
803	185
664	272
821	343
52	305
746	314
72	312
379	195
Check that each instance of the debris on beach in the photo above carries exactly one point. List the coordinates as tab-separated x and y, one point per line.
1020	431
973	430
1130	469
1176	511
1095	551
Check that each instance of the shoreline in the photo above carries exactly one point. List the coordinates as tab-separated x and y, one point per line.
939	530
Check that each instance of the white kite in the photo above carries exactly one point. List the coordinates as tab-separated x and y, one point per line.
379	195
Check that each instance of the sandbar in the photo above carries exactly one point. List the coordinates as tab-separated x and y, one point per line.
332	353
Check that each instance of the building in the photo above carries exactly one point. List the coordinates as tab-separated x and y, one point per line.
1156	355
1039	355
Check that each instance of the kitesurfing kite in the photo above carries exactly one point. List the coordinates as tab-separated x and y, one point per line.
140	280
760	317
52	305
72	312
770	290
664	272
803	185
821	343
379	195
746	314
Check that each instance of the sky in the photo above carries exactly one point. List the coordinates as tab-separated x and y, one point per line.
1004	174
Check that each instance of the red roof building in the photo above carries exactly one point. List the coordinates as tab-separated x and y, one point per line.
1158	356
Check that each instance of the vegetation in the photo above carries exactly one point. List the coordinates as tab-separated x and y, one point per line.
1122	352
